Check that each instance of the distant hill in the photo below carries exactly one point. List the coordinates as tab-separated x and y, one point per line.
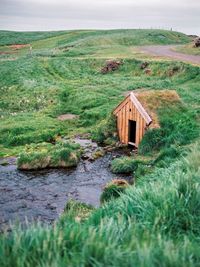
98	37
12	37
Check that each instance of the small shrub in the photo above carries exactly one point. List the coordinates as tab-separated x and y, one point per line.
113	190
98	154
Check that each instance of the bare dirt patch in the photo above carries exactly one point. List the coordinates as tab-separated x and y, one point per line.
111	65
12	49
18	46
68	116
6	52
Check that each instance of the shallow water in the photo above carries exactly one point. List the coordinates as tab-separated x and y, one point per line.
42	195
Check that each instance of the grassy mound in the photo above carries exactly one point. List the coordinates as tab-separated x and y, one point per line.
125	165
113	190
139	166
48	156
75	211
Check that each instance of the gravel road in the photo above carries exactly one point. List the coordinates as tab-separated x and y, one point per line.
167	51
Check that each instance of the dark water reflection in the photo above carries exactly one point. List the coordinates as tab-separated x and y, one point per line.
43	194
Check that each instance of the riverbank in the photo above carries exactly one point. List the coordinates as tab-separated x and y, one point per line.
42	194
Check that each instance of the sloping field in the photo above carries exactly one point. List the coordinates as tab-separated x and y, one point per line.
89	42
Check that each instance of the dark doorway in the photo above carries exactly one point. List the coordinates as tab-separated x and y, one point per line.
132	131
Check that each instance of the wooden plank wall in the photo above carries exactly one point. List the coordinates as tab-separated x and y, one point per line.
129	112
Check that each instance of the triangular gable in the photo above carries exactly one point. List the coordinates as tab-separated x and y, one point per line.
138	106
121	104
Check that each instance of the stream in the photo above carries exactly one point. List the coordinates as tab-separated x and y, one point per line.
42	195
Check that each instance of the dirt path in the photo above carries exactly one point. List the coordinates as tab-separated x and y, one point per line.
167	51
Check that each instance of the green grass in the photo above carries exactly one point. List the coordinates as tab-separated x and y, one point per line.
48	155
11	37
177	126
105	132
155	222
124	165
40	89
95	43
113	190
75	211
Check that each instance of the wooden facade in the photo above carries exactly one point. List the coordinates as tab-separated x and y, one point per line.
132	120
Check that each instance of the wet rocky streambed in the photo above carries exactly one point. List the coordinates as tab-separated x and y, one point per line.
42	195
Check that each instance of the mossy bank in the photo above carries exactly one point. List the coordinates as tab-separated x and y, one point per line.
63	155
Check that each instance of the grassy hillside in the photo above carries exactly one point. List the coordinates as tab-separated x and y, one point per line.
40	89
11	37
156	221
137	36
93	43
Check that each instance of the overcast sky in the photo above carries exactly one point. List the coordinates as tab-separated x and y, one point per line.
180	15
